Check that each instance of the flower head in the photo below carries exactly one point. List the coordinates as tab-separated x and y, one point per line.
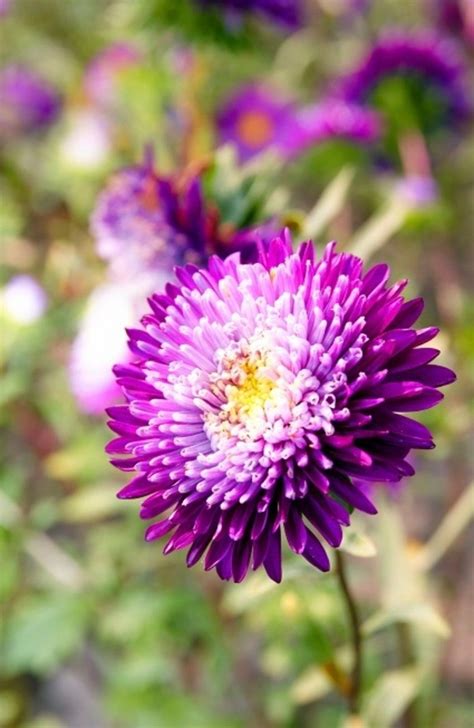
287	13
104	71
260	394
430	69
28	103
143	222
256	119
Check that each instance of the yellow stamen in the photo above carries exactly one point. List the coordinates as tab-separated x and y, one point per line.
250	394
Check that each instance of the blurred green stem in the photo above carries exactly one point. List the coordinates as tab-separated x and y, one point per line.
356	635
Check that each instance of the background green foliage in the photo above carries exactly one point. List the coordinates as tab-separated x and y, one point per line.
98	629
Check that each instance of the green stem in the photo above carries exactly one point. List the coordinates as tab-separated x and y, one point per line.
353	697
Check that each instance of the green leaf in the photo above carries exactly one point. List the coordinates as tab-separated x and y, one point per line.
44	633
390	696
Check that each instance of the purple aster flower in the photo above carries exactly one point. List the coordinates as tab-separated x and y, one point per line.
104	71
27	102
143	221
23	299
431	67
288	13
333	119
128	223
261	393
256	119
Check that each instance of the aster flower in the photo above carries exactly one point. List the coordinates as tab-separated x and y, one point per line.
103	73
260	394
143	222
256	119
28	103
432	71
333	119
287	13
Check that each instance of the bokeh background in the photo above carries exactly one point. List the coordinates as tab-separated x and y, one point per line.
98	630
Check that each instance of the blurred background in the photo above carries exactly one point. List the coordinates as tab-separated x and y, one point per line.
345	119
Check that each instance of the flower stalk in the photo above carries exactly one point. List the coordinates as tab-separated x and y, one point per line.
353	695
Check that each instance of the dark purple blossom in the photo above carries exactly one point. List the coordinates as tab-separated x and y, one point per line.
256	119
288	13
27	102
143	222
261	394
430	63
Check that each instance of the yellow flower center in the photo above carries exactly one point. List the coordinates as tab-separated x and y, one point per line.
255	128
250	395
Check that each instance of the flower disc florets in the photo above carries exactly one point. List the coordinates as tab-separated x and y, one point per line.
262	394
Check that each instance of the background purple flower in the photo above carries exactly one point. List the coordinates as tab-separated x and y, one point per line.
261	394
27	102
146	222
256	119
429	63
288	13
128	222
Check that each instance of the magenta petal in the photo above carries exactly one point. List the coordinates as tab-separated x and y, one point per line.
241	560
295	531
137	488
217	551
272	561
157	530
315	554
